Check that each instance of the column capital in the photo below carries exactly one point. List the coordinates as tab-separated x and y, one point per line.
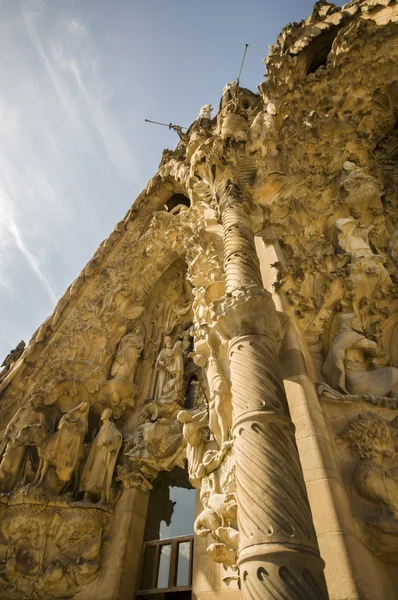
249	310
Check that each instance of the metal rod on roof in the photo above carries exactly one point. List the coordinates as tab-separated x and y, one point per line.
241	66
169	125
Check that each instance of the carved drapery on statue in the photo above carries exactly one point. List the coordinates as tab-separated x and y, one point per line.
128	354
63	448
100	465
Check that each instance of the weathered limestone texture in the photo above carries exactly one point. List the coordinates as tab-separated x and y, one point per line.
241	321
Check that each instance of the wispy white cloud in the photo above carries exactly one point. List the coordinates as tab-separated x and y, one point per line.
62	156
32	261
10	228
69	51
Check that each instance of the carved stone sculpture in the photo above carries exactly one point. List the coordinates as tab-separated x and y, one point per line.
50	552
63	449
353	240
100	465
173	389
285	201
220	408
12	358
28	427
363	193
128	355
373	440
152	448
205	112
346	367
162	361
218	519
194	422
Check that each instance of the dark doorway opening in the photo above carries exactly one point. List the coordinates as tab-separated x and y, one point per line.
166	563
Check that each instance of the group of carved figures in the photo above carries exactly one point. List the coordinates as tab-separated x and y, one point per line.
62	455
167	432
352	372
210	458
62	450
204	429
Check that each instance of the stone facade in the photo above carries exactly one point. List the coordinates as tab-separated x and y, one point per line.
257	273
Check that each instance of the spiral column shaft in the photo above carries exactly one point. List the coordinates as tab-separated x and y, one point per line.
240	258
278	552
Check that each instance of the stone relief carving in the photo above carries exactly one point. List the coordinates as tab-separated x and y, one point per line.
220	408
325	174
194	423
49	552
44	461
153	447
373	440
349	367
363	194
157	442
14	362
170	367
218	518
51	542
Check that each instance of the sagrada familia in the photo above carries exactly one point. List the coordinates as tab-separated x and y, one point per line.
211	411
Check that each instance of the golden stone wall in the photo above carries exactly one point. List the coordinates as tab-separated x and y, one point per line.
258	270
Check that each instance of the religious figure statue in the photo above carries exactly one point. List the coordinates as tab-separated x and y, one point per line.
128	354
28	427
194	422
161	366
164	374
169	391
220	408
347	367
12	358
173	389
63	448
101	462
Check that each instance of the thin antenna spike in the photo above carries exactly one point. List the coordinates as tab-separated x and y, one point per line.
241	66
169	125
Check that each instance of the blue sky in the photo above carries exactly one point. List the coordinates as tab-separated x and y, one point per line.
77	80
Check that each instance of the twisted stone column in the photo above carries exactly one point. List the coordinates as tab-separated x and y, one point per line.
278	552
